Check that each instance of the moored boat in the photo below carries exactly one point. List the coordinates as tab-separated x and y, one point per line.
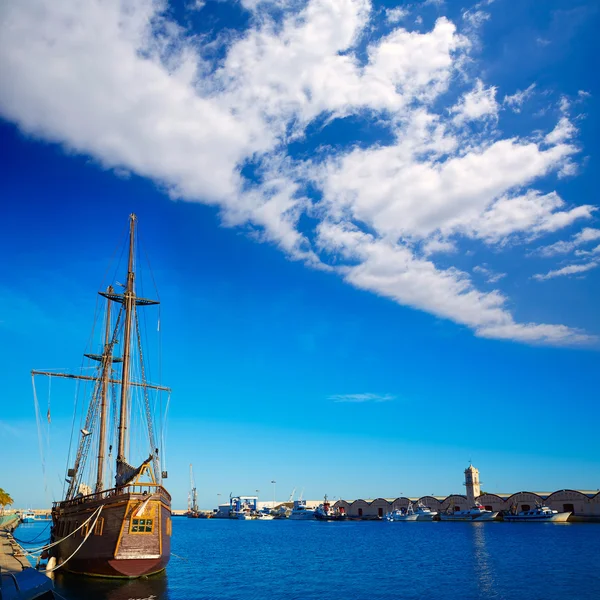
475	513
300	512
424	513
405	513
122	529
325	512
540	514
28	516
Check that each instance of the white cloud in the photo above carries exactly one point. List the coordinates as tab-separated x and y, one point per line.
563	131
588	234
479	103
361	398
475	18
591	252
564	105
516	100
438	246
120	81
394	272
395	15
568	270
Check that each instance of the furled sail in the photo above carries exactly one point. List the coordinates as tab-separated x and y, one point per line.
126	473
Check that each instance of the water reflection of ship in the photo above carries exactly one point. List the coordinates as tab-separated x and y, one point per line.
154	587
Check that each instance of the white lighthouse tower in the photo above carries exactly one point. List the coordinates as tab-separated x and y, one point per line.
472	484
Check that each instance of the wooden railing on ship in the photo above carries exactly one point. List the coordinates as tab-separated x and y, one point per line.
130	488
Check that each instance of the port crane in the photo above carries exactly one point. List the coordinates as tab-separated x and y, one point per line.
192	495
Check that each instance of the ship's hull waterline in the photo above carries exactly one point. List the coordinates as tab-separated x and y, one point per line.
555	518
115	546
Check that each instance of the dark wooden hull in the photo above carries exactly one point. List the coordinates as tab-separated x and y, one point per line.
115	547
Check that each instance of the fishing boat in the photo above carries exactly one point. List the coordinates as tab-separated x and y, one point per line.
475	513
117	527
28	516
424	513
540	514
405	513
325	512
300	512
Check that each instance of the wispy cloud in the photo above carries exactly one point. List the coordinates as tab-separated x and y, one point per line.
395	15
516	100
591	252
568	270
490	275
586	235
359	398
7	429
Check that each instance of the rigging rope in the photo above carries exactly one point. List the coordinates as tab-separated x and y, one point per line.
155	458
39	430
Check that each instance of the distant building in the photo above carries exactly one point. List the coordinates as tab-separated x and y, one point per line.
583	504
472	484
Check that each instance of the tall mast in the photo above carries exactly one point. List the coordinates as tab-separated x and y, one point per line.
107	366
129	303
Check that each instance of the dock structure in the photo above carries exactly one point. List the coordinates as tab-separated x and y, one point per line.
18	580
12	559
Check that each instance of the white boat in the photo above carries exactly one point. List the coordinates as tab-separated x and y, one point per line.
263	516
300	512
475	513
28	516
424	512
540	514
406	513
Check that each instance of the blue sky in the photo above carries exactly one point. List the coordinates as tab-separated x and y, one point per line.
373	228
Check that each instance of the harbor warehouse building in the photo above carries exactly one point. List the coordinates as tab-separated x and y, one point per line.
584	505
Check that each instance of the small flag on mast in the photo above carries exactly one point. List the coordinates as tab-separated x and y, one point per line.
48	416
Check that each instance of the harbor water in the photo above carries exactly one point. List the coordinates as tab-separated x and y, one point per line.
311	560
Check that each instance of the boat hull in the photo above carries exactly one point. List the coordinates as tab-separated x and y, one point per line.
319	517
557	518
470	517
405	518
114	547
426	517
307	515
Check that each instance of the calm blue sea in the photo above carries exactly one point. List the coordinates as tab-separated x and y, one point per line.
310	560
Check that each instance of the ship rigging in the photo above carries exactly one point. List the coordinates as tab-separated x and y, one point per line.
130	536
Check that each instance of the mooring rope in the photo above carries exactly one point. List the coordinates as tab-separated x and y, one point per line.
35	538
82	543
47	546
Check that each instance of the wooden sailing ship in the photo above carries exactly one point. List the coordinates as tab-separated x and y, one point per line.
120	529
